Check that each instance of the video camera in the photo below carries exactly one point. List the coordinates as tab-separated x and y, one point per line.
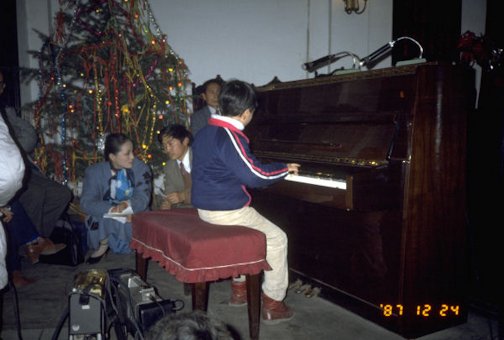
138	303
119	297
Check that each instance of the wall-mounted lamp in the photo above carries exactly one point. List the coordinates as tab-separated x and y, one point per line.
353	6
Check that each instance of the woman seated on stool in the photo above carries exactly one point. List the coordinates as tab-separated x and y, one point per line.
120	184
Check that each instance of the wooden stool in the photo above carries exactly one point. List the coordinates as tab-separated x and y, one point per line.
197	253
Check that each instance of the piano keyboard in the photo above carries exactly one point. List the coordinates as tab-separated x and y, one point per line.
325	182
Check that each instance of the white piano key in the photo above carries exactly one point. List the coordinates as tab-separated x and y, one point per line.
329	183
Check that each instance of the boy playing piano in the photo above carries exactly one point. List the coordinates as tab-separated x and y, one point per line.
223	167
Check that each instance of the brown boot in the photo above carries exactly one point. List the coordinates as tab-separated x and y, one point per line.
239	293
274	311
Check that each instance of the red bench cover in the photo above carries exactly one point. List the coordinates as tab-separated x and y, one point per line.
195	251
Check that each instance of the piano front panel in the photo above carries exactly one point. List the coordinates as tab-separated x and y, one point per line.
377	189
336	250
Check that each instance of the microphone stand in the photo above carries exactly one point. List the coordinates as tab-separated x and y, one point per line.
313	66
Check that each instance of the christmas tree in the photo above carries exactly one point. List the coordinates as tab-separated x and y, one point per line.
106	68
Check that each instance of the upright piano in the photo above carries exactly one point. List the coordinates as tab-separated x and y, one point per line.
376	218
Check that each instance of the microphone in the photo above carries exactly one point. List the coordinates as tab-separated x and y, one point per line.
371	59
320	62
377	54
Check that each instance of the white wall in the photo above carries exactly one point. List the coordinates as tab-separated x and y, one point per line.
257	40
473	19
236	38
250	40
32	15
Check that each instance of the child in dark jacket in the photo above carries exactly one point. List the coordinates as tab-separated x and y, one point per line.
223	168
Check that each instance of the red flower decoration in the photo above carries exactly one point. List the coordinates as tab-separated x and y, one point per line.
479	49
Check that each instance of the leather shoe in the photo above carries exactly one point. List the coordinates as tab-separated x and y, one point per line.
49	248
274	311
95	259
42	246
238	293
32	252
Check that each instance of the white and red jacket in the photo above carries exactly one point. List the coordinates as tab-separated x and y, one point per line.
223	167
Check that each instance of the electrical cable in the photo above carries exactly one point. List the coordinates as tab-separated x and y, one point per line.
16	309
116	321
176	308
134	319
129	305
60	323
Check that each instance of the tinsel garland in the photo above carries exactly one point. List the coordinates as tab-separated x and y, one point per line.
121	86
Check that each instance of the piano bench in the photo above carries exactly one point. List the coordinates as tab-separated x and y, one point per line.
197	253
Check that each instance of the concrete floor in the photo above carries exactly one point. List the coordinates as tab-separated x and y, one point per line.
42	307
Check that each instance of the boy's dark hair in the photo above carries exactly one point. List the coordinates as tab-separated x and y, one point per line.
113	144
235	97
196	325
176	131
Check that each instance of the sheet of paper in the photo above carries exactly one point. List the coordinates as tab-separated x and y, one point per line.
120	216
